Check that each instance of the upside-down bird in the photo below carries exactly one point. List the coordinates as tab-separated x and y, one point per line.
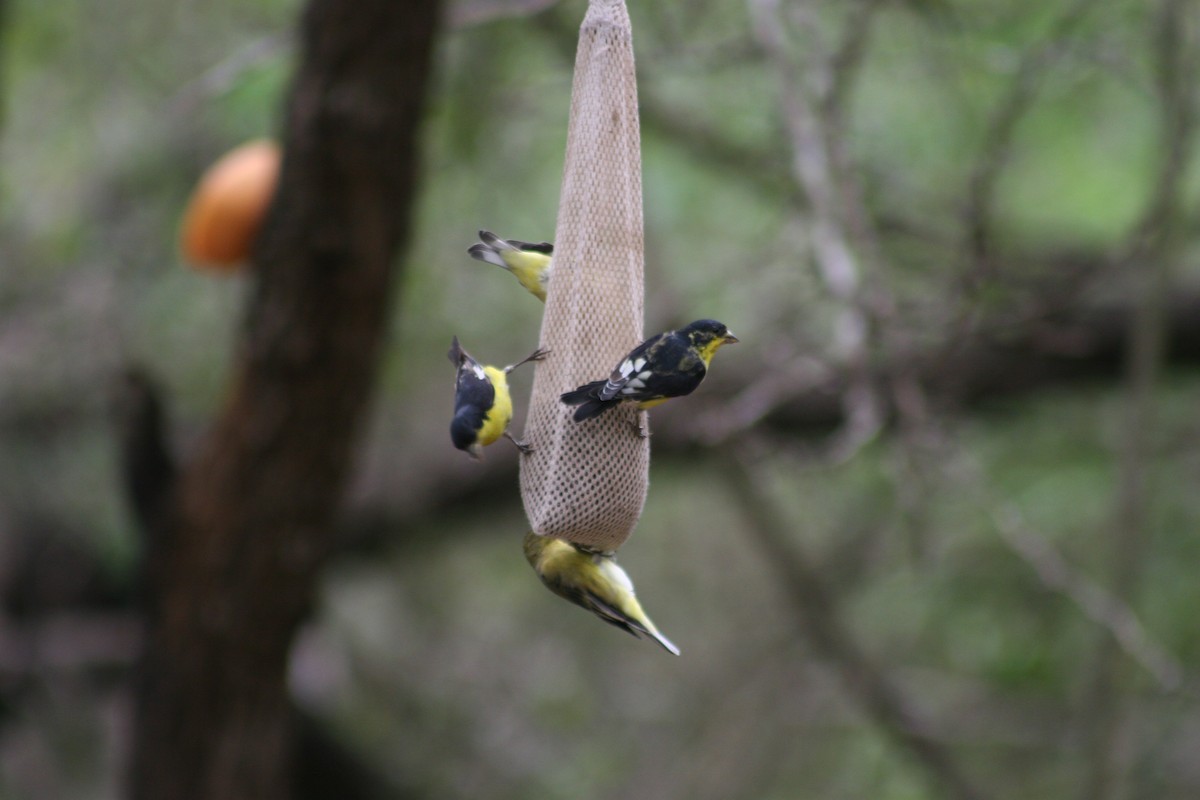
671	364
593	581
530	263
482	403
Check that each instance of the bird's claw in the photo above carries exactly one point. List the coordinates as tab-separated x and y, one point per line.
536	355
525	447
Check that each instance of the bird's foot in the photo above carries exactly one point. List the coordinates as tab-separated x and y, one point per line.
525	447
536	355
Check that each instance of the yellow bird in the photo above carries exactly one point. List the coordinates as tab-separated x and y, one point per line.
671	364
593	581
530	263
482	403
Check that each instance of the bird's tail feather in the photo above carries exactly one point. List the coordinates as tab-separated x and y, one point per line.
456	352
666	643
632	625
481	252
489	249
586	397
493	241
592	408
584	393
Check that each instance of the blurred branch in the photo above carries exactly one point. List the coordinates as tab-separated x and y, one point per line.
782	385
69	641
827	183
1097	604
1152	254
708	148
687	131
819	616
1066	341
846	61
996	150
224	75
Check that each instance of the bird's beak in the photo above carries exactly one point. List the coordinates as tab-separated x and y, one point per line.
475	451
731	339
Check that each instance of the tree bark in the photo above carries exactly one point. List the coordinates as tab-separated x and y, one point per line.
231	569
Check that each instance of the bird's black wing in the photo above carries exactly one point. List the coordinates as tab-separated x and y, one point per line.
676	370
671	368
591	602
540	247
612	615
472	388
637	359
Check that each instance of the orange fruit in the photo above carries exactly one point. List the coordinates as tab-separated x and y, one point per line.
228	205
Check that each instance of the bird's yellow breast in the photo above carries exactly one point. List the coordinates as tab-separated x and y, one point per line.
530	270
495	421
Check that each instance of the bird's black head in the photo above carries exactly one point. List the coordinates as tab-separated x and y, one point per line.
708	334
464	429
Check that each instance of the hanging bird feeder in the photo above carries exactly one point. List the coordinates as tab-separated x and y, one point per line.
587	483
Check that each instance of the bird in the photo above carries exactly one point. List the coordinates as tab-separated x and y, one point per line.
593	581
530	263
482	403
670	364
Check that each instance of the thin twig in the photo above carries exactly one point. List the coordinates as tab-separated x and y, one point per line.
1152	251
820	618
1100	606
222	76
996	151
773	388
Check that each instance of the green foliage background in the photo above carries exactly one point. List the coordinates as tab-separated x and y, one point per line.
438	658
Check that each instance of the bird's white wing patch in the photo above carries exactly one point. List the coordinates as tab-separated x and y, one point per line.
636	382
612	570
625	379
479	373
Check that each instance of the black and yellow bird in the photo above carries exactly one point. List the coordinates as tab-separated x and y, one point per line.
593	581
530	263
671	364
482	403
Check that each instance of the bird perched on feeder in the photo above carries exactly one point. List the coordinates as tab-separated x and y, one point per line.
482	403
530	263
671	364
593	581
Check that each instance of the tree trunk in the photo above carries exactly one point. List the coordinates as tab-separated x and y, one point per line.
232	566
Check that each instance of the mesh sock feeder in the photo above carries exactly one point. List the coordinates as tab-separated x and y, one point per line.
586	482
